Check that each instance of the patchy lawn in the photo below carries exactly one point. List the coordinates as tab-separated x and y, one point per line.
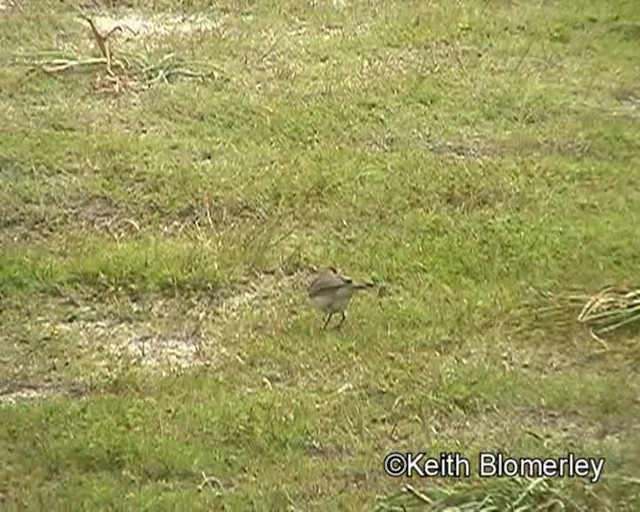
165	199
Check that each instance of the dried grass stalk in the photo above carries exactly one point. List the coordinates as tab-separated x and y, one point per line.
604	311
128	71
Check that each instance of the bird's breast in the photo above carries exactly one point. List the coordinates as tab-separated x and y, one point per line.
333	300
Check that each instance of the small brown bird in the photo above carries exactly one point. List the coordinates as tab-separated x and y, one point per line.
331	293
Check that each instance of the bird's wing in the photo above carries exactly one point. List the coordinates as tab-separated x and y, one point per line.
327	282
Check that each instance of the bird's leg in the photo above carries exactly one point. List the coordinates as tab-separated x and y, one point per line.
327	320
344	317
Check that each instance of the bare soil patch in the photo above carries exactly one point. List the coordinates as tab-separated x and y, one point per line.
138	26
161	335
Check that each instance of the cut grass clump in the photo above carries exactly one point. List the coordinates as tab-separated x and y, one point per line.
608	310
117	74
482	496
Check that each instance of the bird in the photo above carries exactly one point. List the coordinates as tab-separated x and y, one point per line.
331	293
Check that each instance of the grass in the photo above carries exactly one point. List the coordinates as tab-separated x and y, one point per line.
157	351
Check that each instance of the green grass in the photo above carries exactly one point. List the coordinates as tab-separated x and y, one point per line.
155	245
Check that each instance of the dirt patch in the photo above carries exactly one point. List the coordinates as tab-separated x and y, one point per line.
469	148
628	101
136	26
141	343
36	221
172	333
23	395
628	95
214	212
97	336
551	424
473	148
29	393
543	424
7	5
180	350
477	148
102	214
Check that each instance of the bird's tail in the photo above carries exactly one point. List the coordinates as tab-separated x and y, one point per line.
363	286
